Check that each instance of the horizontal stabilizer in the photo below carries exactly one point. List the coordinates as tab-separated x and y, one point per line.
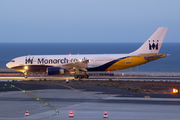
151	57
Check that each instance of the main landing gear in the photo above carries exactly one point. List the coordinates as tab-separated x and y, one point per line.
81	76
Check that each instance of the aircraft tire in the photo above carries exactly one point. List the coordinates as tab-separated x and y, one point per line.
76	76
80	76
25	76
86	76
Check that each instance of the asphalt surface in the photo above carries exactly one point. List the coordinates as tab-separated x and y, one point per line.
6	86
54	101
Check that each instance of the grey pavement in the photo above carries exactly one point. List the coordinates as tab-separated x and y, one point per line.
87	104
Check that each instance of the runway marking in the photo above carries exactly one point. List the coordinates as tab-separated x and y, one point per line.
126	95
52	92
147	96
40	100
77	90
82	91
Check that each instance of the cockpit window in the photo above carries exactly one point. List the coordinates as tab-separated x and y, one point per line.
12	60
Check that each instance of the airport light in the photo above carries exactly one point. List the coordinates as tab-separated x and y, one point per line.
175	91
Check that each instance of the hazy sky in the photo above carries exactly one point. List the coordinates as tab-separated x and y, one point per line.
87	20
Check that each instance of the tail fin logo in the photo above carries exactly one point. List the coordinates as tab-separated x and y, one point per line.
153	46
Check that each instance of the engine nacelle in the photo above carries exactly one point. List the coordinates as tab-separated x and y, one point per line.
55	71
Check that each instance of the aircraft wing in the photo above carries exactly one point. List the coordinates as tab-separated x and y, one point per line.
81	65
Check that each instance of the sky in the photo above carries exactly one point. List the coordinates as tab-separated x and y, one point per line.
87	21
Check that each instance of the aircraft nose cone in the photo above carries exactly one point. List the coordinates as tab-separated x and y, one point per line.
8	65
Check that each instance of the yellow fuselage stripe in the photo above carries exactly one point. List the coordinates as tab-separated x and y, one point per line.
132	61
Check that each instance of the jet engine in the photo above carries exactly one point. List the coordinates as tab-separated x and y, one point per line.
51	71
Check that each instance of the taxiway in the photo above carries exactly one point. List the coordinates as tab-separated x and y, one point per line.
55	101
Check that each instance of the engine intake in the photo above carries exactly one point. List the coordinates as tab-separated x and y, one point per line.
55	71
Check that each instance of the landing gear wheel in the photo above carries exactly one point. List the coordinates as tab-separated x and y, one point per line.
80	76
86	76
25	76
76	76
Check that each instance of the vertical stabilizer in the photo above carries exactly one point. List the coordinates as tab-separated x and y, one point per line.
153	44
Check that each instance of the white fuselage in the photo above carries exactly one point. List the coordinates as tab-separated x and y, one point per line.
59	60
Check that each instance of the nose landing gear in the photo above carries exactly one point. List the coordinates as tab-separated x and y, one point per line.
25	75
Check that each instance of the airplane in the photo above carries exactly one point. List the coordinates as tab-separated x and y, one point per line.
55	65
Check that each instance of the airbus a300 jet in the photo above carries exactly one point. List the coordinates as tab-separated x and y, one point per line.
79	64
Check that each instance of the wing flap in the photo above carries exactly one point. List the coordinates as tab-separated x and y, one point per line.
81	65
